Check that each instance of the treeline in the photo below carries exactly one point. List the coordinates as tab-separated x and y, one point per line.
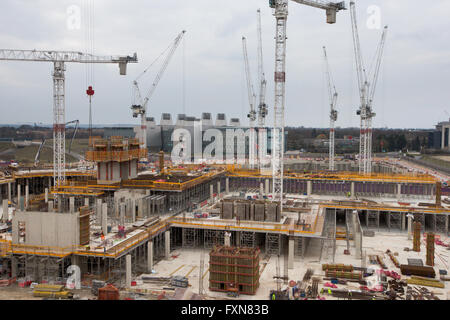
383	140
27	132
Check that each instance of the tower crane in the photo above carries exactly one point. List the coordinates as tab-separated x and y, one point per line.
139	106
366	85
281	12
262	107
252	101
333	95
59	59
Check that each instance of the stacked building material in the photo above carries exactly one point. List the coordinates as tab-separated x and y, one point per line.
337	267
233	268
417	271
380	261
426	282
344	275
393	258
430	249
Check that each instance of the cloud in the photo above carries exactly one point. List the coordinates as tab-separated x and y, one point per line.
412	91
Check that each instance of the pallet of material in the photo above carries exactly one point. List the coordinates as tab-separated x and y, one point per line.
425	282
424	271
344	275
337	267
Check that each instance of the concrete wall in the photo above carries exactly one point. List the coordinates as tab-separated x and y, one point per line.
47	228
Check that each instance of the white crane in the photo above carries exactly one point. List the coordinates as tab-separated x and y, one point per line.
59	58
333	95
262	107
139	106
252	101
366	94
281	12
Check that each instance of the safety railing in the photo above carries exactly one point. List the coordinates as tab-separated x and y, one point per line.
124	155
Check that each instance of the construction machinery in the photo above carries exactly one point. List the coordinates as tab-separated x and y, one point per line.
38	153
333	95
139	106
59	59
252	101
366	85
281	12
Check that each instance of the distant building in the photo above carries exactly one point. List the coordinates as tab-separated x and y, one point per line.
126	132
442	128
159	136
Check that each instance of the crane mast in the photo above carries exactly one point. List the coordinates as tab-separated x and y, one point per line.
59	58
139	107
262	107
366	93
251	100
281	12
333	95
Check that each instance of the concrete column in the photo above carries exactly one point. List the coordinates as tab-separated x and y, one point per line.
13	267
27	194
227	239
9	191
443	138
211	192
261	188
218	189
167	244
352	189
291	253
399	191
133	210
354	221
410	221
227	185
86	202
18	195
403	221
147	192
358	245
105	218
71	204
267	187
128	271
309	187
46	195
150	256
98	209
122	213
50	206
5	210
116	208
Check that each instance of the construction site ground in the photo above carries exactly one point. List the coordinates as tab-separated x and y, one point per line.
186	262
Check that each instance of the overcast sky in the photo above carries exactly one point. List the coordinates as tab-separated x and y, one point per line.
412	91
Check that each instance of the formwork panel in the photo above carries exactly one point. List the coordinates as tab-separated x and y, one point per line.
234	269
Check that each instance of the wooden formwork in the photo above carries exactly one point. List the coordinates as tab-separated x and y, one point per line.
234	269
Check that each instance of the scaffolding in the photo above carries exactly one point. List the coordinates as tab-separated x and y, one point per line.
273	244
213	237
190	238
247	239
328	241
